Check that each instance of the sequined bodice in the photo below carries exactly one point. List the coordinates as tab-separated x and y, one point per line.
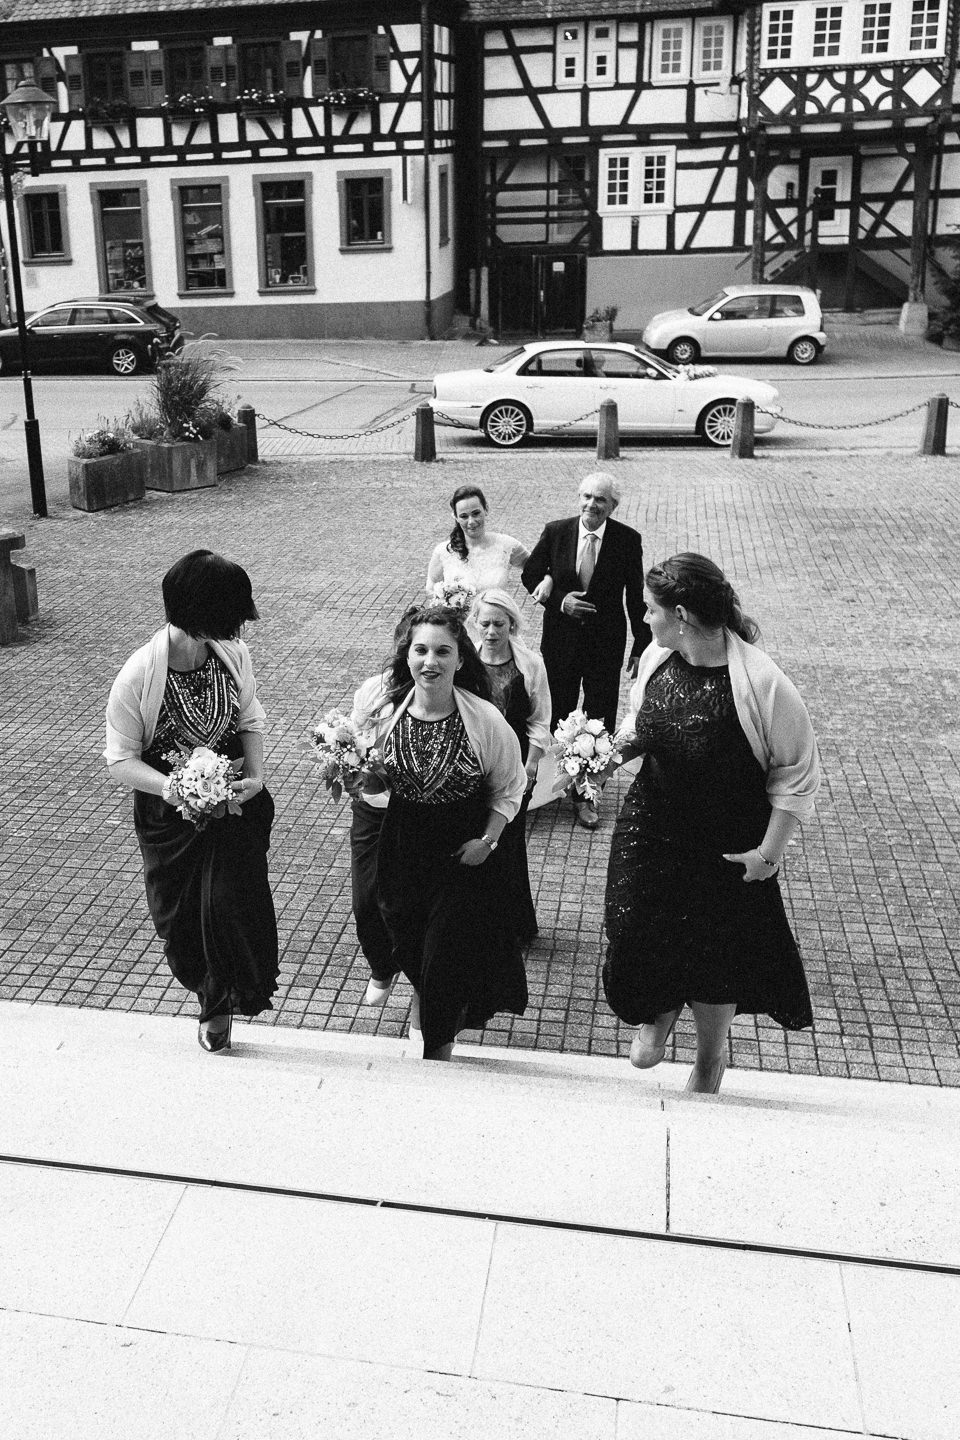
432	762
501	679
199	707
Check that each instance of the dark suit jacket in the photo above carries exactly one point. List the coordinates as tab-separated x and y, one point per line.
618	576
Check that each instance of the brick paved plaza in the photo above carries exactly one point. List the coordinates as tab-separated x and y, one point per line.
850	566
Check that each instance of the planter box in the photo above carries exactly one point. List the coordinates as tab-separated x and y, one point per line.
180	465
951	342
231	449
598	330
109	480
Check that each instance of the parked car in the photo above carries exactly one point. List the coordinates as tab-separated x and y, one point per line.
90	334
550	384
764	320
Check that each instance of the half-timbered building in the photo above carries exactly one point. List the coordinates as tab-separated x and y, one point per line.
639	153
262	168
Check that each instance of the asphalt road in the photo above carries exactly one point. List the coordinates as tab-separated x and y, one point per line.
342	399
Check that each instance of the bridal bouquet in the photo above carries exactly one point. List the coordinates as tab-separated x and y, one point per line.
201	781
348	758
584	750
455	594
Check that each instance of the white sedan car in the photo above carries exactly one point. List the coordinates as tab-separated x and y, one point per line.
556	386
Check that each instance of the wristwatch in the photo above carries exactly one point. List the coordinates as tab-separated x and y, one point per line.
491	843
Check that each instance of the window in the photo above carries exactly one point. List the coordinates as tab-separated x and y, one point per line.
569	68
924	25
787	307
16	70
827	20
122	235
260	66
602	54
566	364
202	261
286	251
43	224
571	182
105	75
617	187
349	60
618	365
51	319
637	180
364	210
670	51
711	48
746	307
185	70
875	37
443	206
779	34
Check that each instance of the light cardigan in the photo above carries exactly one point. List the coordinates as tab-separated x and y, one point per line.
534	673
492	740
137	693
771	714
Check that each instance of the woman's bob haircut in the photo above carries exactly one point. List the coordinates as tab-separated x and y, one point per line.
208	597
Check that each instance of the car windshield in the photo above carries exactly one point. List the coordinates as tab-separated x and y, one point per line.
705	305
504	360
655	362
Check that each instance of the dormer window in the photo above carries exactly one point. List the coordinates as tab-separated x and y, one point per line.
569	59
875	39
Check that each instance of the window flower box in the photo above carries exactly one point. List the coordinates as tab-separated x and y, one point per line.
189	105
108	112
253	101
355	98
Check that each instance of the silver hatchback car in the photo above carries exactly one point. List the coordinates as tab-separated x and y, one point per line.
763	320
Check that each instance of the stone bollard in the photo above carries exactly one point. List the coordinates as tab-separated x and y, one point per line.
608	431
741	442
9	631
425	441
247	417
934	440
25	591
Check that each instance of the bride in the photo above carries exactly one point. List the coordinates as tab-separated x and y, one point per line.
474	556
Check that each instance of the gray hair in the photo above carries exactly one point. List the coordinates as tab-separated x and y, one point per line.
596	476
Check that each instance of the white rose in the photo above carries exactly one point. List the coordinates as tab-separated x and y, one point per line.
351	758
204	761
602	745
571	766
593	727
584	745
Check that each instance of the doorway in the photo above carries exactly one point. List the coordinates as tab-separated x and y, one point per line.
541	293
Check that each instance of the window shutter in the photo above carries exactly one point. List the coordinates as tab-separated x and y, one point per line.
76	93
380	63
222	71
156	84
136	66
45	74
291	65
320	65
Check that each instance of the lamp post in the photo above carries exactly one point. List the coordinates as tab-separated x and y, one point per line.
28	110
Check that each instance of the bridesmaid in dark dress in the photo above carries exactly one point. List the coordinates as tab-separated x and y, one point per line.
456	780
694	913
207	889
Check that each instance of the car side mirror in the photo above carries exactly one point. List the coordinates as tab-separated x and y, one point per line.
651	374
716	315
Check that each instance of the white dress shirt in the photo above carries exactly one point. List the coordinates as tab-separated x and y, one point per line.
582	534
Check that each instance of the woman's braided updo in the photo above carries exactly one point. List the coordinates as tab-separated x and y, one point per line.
701	587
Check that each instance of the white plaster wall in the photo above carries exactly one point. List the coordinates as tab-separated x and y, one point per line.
660	105
643	285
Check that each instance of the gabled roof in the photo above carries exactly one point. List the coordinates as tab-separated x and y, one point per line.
31	12
530	11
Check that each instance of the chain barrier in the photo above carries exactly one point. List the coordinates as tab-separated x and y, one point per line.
401	420
854	425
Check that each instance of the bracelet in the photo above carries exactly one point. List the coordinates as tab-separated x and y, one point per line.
770	864
491	843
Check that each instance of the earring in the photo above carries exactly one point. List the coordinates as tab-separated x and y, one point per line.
681	627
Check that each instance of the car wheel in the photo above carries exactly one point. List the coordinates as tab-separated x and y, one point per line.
683	351
716	423
124	360
804	351
506	424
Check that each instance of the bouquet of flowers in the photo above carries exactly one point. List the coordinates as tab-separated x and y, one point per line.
201	781
347	755
455	594
584	749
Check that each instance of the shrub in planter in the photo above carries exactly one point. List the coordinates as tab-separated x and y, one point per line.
599	323
177	429
948	321
105	469
230	435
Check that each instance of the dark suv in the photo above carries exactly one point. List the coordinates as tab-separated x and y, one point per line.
106	332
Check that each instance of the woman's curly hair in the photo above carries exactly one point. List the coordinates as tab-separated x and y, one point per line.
471	676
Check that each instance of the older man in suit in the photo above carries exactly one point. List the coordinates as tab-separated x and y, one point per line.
595	563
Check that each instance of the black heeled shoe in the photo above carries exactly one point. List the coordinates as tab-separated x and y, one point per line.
215	1040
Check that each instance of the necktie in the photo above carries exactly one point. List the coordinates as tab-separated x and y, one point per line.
589	562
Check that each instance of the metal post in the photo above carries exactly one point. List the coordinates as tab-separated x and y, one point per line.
741	443
425	441
934	440
31	427
608	431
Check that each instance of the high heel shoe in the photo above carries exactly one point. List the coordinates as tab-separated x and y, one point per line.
693	1088
645	1056
378	991
215	1040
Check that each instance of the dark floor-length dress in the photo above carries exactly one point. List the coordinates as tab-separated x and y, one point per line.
452	935
682	924
207	889
509	694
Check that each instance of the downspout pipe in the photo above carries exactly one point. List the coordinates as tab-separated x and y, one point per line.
426	107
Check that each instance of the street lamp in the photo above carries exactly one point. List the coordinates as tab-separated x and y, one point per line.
28	110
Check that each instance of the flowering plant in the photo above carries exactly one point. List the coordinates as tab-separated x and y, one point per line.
584	749
455	594
347	96
201	781
347	755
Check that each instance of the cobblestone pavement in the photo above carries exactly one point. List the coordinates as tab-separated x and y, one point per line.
848	562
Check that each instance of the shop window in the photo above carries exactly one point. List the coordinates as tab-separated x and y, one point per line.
121	225
364	210
284	233
43	224
203	261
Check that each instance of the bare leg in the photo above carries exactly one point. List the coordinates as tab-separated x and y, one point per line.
713	1027
415	1031
650	1041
